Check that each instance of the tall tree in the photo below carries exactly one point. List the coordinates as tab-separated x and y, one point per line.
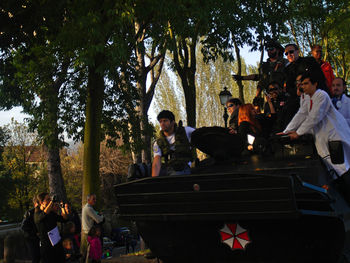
38	72
144	29
102	45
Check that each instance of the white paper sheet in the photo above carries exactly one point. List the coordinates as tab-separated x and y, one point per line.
54	236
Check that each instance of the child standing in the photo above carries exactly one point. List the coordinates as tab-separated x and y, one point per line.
69	232
94	240
69	253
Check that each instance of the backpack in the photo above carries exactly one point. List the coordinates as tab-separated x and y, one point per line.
138	171
28	226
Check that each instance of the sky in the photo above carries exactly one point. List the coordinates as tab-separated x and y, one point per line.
251	58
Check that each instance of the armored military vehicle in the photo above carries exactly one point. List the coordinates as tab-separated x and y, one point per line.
275	205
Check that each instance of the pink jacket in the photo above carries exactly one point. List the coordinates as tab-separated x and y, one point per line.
95	248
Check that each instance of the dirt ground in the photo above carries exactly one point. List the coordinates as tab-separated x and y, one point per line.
130	259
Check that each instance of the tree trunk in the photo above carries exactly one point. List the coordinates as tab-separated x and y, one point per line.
145	97
189	88
185	51
92	133
52	142
56	183
239	72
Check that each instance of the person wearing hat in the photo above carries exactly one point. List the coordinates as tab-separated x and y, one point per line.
172	150
270	71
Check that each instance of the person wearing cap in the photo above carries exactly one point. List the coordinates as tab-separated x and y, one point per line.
340	101
172	149
270	71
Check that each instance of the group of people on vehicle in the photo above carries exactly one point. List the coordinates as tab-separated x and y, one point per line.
302	97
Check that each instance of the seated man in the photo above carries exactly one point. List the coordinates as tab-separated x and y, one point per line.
319	117
340	101
172	148
232	106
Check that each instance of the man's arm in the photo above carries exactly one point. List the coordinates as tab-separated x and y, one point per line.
156	166
254	77
93	214
321	104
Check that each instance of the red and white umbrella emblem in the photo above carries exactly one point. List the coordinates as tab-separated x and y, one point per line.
235	236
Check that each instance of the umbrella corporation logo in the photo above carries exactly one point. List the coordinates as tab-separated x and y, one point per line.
235	236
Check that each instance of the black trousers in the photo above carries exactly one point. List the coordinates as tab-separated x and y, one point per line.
33	245
50	254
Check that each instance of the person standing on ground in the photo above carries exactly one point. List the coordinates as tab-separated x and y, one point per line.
94	239
89	218
31	232
46	217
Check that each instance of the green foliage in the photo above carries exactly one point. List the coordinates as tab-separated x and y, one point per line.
324	23
24	169
72	172
211	78
169	96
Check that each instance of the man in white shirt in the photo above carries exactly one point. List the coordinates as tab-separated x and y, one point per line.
319	117
340	101
88	218
172	148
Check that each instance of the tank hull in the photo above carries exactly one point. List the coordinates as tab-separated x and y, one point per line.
182	218
307	239
279	206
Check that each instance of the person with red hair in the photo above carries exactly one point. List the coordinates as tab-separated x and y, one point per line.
248	124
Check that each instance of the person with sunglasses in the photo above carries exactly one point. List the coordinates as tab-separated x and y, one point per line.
232	106
274	107
298	66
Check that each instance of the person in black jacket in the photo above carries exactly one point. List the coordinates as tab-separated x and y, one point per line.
31	233
298	66
46	217
232	106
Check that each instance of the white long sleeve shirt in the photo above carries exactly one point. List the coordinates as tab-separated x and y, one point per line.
88	217
345	108
319	117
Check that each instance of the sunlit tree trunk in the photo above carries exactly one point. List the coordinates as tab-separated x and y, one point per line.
92	132
239	72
